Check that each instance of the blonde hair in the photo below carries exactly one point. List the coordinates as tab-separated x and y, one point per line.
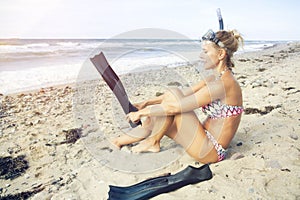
231	40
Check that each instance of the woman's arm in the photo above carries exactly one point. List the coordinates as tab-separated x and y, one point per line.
203	96
185	91
196	87
155	100
193	89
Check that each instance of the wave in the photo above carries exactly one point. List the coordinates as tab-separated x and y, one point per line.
144	61
17	46
55	61
37	45
34	78
68	44
257	46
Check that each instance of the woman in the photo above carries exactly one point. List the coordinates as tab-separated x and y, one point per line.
172	114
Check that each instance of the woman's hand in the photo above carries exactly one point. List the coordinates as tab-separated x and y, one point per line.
133	117
140	105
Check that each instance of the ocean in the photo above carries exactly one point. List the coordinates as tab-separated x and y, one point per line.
27	64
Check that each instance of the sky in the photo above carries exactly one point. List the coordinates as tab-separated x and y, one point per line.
255	19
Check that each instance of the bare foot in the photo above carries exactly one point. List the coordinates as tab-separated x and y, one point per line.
115	143
147	145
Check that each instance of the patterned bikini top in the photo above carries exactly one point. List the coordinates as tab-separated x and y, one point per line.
217	110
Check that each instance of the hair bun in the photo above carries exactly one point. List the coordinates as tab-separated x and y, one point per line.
232	40
237	35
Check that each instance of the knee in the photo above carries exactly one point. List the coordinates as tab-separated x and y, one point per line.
173	94
147	123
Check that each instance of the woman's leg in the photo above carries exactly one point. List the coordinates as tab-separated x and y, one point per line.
161	126
192	137
134	135
186	130
152	142
150	125
157	125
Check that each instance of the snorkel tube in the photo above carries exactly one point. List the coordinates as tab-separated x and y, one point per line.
221	25
211	35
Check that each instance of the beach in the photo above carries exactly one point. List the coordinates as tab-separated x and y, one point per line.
54	140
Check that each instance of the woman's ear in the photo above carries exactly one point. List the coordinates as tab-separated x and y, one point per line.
222	54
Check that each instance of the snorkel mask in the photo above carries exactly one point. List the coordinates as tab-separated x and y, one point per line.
211	35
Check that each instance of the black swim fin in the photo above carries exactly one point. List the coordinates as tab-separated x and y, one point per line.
163	184
114	83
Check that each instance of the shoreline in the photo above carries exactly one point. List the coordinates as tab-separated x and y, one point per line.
192	56
263	161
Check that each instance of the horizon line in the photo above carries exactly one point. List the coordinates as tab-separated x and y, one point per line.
193	39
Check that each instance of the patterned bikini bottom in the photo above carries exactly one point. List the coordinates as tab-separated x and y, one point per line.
220	150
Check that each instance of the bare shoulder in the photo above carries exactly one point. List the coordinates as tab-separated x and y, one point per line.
232	89
230	82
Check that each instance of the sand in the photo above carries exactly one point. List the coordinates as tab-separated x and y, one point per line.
54	140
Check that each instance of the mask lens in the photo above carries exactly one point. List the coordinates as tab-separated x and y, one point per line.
210	35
